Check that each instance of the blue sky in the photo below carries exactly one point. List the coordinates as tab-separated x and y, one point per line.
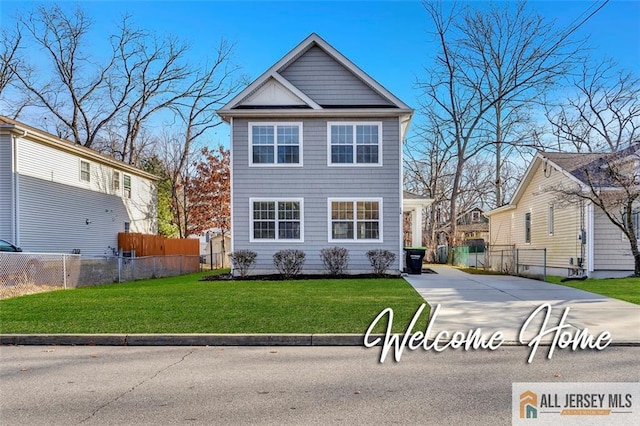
387	39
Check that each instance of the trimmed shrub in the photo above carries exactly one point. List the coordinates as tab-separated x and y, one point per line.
243	260
380	260
289	262
335	260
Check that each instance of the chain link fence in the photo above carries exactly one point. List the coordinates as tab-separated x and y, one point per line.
527	262
27	273
469	256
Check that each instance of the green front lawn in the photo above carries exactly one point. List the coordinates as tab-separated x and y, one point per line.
186	305
627	289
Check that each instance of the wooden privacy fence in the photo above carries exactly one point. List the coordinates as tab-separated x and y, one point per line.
157	245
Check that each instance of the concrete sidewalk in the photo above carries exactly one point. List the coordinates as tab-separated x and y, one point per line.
503	303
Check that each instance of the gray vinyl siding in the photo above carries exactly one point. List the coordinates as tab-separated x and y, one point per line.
54	204
316	183
6	230
53	218
327	82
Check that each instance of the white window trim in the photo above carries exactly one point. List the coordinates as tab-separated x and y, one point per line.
89	171
276	240
117	190
530	227
354	124
124	194
275	142
551	219
355	220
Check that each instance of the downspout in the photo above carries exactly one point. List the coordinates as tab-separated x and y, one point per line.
401	194
590	238
15	191
231	200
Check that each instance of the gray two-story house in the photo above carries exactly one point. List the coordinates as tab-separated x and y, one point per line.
316	160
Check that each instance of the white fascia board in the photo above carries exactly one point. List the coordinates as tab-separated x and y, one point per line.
293	89
500	209
524	182
26	132
332	112
563	171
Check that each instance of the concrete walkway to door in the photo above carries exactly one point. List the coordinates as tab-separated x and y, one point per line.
503	303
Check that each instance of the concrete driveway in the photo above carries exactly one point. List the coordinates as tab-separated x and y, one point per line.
504	303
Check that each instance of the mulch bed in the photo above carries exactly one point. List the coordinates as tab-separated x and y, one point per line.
278	277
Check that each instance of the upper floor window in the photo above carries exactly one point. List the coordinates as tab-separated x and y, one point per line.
276	219
85	171
127	186
116	181
355	220
275	144
355	143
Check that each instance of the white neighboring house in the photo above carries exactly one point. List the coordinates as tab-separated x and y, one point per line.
60	197
578	237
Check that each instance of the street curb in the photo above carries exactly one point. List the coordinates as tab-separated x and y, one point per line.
186	339
212	340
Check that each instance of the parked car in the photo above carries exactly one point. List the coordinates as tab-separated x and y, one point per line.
7	246
14	267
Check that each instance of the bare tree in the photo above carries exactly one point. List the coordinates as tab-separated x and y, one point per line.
604	118
11	42
489	65
604	114
74	90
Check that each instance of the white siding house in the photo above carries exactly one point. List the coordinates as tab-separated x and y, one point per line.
577	235
59	197
316	149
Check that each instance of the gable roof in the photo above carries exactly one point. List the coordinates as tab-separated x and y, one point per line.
297	95
573	165
8	125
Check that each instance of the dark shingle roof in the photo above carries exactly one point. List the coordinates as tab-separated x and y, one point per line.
595	164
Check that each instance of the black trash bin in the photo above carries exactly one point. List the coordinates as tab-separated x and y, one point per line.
413	260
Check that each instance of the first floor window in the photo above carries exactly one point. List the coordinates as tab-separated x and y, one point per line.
527	227
551	219
276	219
355	219
85	171
127	186
275	144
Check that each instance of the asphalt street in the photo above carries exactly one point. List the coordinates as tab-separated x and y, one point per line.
106	385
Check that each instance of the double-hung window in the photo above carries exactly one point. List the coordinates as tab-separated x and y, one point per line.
355	220
275	144
116	181
85	171
527	227
355	143
127	186
280	219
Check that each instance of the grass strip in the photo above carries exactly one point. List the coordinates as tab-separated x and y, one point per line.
184	304
627	289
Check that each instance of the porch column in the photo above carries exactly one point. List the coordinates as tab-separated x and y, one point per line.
416	227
